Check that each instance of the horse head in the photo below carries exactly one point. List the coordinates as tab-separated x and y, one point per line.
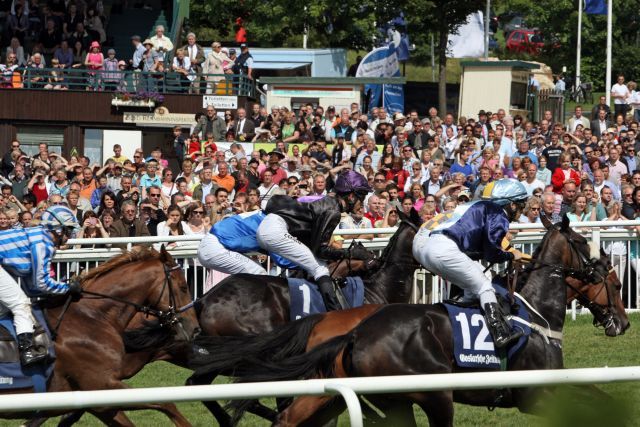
170	306
590	277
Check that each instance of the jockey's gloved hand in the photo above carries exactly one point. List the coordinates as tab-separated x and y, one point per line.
75	288
520	256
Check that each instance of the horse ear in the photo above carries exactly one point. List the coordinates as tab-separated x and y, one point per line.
546	222
402	215
414	216
564	226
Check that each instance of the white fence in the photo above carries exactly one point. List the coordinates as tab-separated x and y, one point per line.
349	388
427	288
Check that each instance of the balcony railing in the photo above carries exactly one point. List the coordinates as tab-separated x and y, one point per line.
124	82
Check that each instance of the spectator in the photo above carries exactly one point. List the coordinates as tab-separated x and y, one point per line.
531	211
376	209
195	53
564	173
96	195
268	188
19	181
128	225
620	93
174	226
15	49
549	207
244	129
206	185
617	167
94	62
92	228
108	201
210	123
138	52
151	210
94	24
72	202
567	197
356	221
579	211
532	182
182	65
38	186
196	220
223	179
161	44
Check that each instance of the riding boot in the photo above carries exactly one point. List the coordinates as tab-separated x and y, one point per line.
328	293
30	353
498	326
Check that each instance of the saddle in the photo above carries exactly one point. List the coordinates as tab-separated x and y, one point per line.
12	374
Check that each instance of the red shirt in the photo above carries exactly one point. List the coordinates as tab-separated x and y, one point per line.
373	218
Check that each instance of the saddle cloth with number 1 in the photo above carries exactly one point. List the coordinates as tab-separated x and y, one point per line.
472	342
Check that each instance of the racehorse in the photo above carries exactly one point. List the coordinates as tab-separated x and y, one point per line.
417	339
90	335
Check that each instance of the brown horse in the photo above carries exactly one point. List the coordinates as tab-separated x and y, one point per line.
90	344
333	324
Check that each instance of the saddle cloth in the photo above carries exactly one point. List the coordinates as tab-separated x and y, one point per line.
12	374
306	299
472	342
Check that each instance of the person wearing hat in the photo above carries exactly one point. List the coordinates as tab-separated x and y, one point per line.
112	79
301	232
94	61
139	50
150	63
28	253
244	63
449	245
278	174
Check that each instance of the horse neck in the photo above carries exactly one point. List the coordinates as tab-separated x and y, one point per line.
545	290
129	283
393	282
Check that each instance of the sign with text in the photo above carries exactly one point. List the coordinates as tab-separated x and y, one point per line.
220	102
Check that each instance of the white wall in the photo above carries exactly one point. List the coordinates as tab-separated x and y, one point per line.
128	139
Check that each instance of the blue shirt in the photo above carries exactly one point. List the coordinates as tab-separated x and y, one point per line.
27	253
478	229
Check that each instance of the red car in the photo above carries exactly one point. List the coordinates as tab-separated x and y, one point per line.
523	40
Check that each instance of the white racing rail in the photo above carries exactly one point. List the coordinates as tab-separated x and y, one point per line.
427	288
349	388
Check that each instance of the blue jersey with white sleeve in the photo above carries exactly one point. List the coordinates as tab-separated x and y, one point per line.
27	253
478	229
238	233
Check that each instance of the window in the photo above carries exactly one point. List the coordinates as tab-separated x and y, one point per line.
30	137
93	145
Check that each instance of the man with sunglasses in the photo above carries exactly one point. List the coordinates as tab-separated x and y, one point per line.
27	253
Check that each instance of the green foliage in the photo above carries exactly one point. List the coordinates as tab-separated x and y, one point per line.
558	19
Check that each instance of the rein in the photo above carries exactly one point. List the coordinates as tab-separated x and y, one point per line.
166	318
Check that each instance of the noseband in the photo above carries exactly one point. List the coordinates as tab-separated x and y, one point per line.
167	318
587	273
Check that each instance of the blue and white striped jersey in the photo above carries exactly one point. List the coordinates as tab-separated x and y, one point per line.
27	253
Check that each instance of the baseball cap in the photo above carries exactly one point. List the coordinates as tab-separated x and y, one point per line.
232	51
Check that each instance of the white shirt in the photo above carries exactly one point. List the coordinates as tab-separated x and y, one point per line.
618	89
266	193
535	184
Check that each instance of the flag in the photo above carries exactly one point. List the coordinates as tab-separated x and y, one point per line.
382	62
468	42
595	7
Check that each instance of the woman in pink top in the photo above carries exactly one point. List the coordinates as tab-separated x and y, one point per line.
94	61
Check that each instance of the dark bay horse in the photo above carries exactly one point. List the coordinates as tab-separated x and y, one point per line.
404	339
90	342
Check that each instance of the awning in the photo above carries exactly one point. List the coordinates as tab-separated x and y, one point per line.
260	65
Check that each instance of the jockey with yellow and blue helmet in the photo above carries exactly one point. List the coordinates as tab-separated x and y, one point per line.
450	244
27	253
301	232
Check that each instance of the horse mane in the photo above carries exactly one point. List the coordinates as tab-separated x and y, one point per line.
135	255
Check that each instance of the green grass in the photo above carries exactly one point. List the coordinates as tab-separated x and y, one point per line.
584	346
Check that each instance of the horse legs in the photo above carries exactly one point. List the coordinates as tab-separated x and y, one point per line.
112	417
224	420
311	411
71	418
396	412
438	406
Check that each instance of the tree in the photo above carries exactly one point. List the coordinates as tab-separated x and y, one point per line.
440	17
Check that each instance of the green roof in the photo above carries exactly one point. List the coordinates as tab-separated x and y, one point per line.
333	80
494	64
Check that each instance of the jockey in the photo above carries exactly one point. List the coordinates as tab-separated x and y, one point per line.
27	253
450	243
223	247
300	231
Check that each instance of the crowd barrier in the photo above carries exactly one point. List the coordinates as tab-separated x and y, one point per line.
618	236
349	388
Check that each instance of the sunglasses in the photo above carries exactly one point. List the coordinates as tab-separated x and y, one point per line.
628	195
379	180
154	195
198	212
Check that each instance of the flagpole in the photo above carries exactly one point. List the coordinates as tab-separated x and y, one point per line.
486	29
579	46
607	87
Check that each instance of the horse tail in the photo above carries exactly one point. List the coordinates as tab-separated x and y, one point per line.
318	362
225	354
151	336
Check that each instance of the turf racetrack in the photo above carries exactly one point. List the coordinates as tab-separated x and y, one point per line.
584	346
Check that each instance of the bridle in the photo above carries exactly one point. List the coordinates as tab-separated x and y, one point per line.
168	317
587	273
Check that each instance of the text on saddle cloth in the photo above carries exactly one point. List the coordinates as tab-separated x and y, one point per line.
306	298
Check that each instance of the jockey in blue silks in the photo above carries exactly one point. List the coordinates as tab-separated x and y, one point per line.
301	231
27	253
223	248
450	244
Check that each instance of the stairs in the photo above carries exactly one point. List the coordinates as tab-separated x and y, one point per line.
132	22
